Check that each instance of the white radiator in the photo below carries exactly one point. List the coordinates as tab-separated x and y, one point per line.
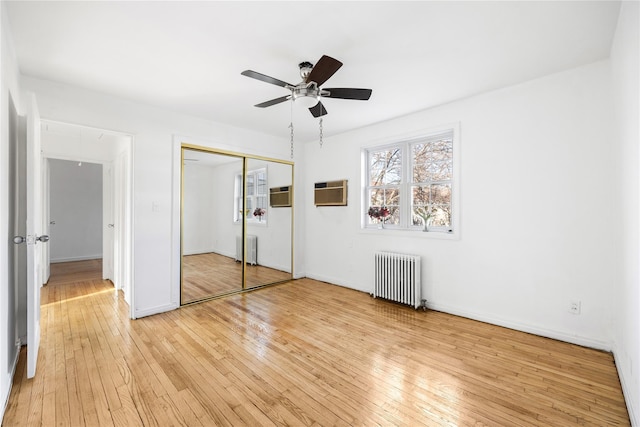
397	278
252	249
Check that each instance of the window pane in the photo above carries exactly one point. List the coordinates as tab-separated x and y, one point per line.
441	216
394	215
421	159
441	194
442	149
420	196
440	171
388	198
250	185
376	177
261	202
376	197
248	208
392	176
385	167
391	197
262	183
433	160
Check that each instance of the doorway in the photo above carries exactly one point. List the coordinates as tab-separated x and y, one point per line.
75	196
102	219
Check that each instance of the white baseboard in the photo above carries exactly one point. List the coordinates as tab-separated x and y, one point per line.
336	281
198	251
13	373
634	411
488	318
77	258
507	323
154	310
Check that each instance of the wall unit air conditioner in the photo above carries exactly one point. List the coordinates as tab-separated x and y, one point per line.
280	197
331	193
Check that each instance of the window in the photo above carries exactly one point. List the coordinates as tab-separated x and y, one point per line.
413	180
256	199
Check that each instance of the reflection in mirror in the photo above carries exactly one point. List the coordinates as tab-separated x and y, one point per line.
268	235
210	228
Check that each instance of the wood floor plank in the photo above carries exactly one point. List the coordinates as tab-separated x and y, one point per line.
303	353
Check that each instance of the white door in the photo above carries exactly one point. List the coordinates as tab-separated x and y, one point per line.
34	239
46	220
108	224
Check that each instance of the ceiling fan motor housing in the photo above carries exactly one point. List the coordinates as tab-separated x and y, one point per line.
305	69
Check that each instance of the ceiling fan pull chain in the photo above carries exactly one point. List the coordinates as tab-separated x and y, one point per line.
320	132
291	125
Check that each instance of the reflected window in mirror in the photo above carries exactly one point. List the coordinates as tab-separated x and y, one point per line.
256	200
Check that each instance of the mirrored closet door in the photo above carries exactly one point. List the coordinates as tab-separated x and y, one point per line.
236	223
268	236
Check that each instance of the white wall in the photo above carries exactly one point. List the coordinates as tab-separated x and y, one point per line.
76	208
538	209
625	76
200	209
274	247
155	160
225	230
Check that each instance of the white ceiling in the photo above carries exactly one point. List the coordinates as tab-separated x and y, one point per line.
188	56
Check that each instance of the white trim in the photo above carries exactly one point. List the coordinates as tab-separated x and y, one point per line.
176	219
78	258
335	281
154	310
522	327
13	373
411	233
626	390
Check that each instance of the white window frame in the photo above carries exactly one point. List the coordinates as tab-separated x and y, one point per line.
405	142
238	198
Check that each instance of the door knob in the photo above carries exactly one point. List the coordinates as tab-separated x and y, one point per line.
44	238
110	225
19	239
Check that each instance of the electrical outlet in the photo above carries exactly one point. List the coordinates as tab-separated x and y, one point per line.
574	307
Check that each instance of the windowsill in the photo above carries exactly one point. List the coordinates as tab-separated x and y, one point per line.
411	234
251	223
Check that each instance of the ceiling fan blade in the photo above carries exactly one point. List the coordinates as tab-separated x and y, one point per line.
318	110
324	68
264	78
348	93
273	101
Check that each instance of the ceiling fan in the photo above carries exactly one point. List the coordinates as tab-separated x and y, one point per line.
308	90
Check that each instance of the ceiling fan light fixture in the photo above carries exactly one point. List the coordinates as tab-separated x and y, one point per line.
306	101
306	96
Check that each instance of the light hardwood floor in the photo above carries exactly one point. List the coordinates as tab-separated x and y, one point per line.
300	353
210	274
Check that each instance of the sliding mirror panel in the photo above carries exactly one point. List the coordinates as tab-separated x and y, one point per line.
269	218
211	225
